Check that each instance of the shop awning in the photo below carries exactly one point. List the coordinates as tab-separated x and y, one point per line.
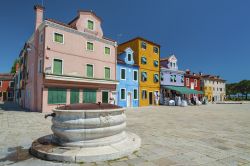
182	89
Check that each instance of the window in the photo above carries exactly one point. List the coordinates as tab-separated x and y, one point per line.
123	74
182	79
57	96
10	94
58	38
144	45
122	94
11	84
135	94
156	78
143	76
1	83
41	38
90	46
156	50
195	82
107	72
129	57
90	25
174	65
135	75
74	96
57	67
171	64
162	78
156	63
187	81
143	60
144	94
90	71
107	51
40	65
171	78
89	96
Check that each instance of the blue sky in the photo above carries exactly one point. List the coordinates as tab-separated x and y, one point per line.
209	36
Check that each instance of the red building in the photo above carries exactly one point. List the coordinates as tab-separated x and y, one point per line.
6	87
192	81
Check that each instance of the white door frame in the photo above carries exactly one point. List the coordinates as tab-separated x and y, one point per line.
131	103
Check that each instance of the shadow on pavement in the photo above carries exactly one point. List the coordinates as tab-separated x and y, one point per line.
10	106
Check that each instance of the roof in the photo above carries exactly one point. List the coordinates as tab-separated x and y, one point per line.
140	38
164	59
6	76
122	62
192	75
212	77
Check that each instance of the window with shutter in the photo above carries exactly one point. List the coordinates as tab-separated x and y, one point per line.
107	50
57	96
89	96
135	94
57	67
90	46
107	72
58	38
123	74
135	75
123	92
90	25
74	96
90	70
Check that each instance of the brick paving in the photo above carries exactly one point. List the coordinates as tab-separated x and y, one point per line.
196	135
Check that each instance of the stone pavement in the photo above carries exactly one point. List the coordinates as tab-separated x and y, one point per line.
215	134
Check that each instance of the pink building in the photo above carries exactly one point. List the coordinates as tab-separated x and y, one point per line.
69	63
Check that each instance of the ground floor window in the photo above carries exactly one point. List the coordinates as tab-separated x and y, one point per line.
89	96
57	95
105	96
10	94
135	94
144	94
74	96
122	94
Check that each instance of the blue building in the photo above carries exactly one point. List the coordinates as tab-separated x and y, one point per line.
127	74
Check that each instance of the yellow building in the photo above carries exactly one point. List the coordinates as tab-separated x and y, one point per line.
208	92
147	56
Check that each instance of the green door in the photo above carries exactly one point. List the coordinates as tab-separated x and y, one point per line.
105	97
89	96
74	96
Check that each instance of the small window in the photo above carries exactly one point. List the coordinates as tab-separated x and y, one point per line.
57	67
156	78
171	78
143	76
162	77
90	70
1	83
156	50
187	81
11	84
107	73
10	94
90	25
174	78
143	60
107	51
144	94
58	38
40	65
129	57
123	92
123	74
195	82
156	63
144	45
90	46
41	38
135	94
171	64
135	75
182	79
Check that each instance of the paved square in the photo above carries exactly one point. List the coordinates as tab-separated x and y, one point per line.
197	135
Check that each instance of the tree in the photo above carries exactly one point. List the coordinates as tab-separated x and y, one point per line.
243	87
13	68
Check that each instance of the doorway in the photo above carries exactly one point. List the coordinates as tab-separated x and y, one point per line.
150	98
4	96
129	99
105	96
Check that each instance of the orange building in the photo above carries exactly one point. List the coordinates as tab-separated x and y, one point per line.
146	56
6	87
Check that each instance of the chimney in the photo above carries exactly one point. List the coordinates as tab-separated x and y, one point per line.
187	71
39	15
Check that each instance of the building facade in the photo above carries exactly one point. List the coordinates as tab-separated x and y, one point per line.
6	87
146	56
214	87
127	74
193	81
69	63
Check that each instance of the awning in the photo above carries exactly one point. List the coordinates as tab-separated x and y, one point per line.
182	89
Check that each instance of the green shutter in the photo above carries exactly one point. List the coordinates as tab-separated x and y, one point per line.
90	46
74	96
123	73
57	96
57	66
135	76
105	97
89	96
107	73
58	37
107	50
135	94
90	25
89	70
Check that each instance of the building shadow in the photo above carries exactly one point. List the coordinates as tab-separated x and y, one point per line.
11	106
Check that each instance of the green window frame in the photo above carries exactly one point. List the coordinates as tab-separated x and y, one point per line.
143	60
156	63
89	96
106	72
143	45
135	94
107	50
129	57
123	94
57	66
90	70
123	74
90	25
90	46
135	75
58	37
57	96
143	76
156	78
74	96
156	50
